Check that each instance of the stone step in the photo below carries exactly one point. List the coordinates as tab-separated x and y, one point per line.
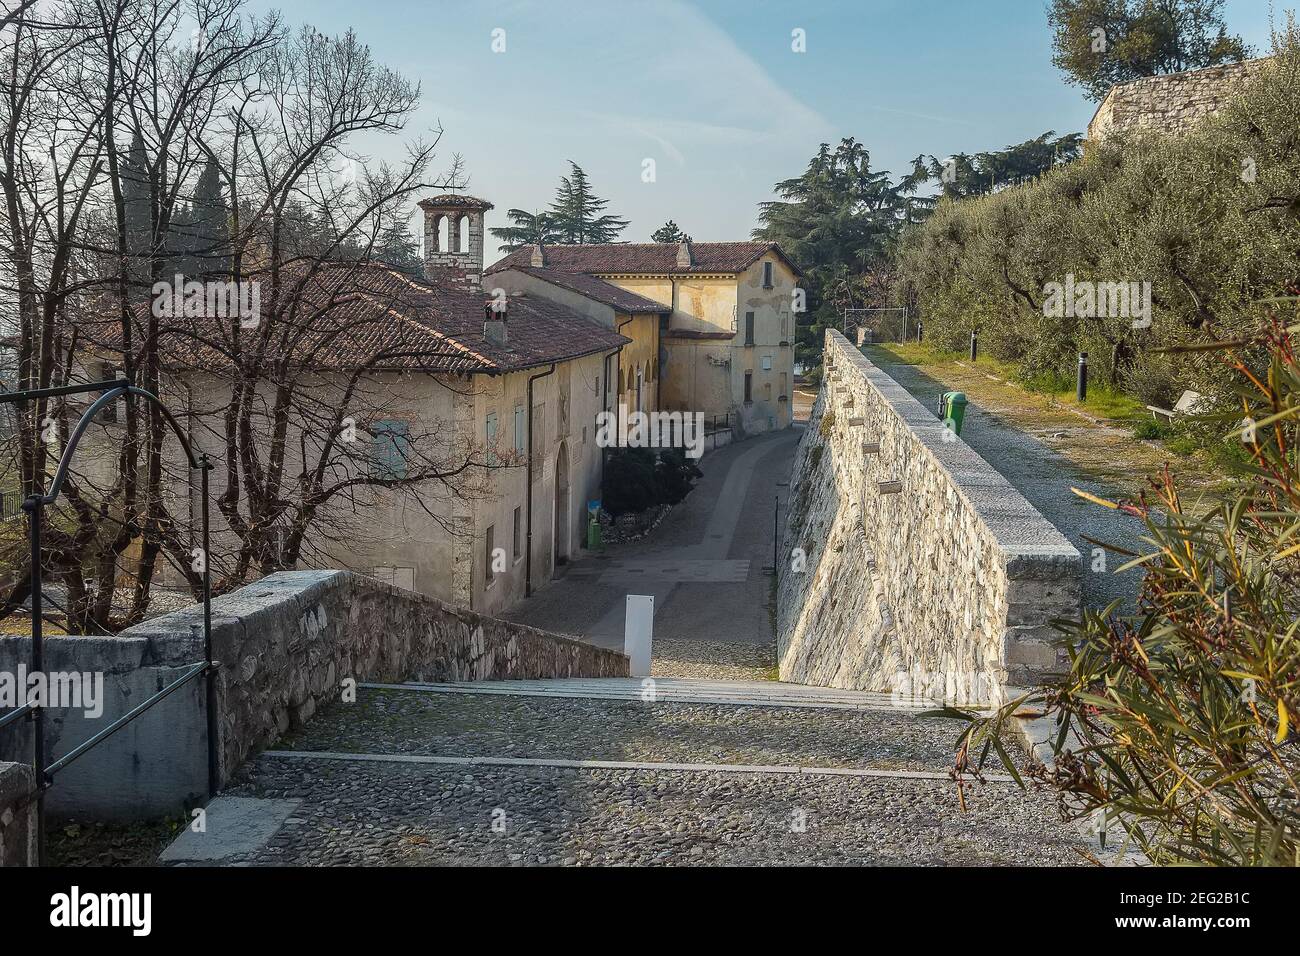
679	690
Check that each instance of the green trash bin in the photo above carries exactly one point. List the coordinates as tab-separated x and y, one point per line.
952	409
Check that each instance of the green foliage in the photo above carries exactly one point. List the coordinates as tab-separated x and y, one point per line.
526	229
827	426
668	232
1177	726
965	175
1099	43
1211	219
576	216
641	478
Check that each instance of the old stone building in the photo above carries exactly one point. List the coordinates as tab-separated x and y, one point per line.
432	375
725	318
1173	103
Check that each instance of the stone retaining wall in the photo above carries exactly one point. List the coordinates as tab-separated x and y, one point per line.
286	644
17	816
1171	103
923	570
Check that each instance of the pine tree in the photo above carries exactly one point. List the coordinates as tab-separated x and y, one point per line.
202	229
575	215
528	228
668	232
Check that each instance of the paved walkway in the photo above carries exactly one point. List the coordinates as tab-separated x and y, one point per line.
703	564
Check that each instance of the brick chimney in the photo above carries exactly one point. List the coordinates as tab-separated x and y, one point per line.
684	257
495	314
460	265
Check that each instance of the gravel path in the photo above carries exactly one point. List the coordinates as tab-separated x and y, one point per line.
373	814
465	725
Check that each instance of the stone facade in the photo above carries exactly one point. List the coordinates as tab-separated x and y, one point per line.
286	645
923	570
1173	103
17	815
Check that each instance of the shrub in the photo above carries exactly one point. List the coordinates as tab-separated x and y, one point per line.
1208	218
637	479
1177	725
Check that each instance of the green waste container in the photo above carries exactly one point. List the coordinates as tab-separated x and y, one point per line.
952	409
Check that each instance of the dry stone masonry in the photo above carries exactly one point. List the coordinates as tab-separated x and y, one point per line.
287	644
911	565
1173	103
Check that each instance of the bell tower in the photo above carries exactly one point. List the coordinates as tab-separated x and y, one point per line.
453	257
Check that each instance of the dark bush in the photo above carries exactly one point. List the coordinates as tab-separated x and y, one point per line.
640	478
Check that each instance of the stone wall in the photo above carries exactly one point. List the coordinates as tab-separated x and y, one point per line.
286	645
923	571
1173	103
17	815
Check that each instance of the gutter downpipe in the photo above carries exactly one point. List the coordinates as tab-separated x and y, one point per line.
528	552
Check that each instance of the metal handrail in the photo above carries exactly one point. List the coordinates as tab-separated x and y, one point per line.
35	505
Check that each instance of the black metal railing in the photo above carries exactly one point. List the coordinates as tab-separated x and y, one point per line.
34	505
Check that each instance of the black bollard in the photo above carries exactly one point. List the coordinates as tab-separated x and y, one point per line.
974	345
1081	387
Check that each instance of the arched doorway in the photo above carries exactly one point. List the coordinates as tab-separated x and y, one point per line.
563	513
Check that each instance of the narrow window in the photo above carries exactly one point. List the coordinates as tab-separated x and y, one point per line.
389	449
749	328
520	430
489	543
518	549
749	387
490	438
767	275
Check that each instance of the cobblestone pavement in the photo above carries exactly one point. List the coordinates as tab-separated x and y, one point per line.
395	814
388	812
408	722
713	660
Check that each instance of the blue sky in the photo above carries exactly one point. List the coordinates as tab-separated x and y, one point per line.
712	92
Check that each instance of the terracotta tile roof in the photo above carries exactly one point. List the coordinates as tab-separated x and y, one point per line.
646	258
599	290
348	316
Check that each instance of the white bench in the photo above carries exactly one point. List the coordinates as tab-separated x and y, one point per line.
1187	405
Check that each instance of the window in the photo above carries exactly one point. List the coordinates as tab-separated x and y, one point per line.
767	275
749	387
518	548
749	328
784	382
767	363
490	438
520	431
389	449
539	431
767	391
785	327
489	545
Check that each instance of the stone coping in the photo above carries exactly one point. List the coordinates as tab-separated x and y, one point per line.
1017	526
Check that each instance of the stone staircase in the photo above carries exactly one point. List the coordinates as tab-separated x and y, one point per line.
622	772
